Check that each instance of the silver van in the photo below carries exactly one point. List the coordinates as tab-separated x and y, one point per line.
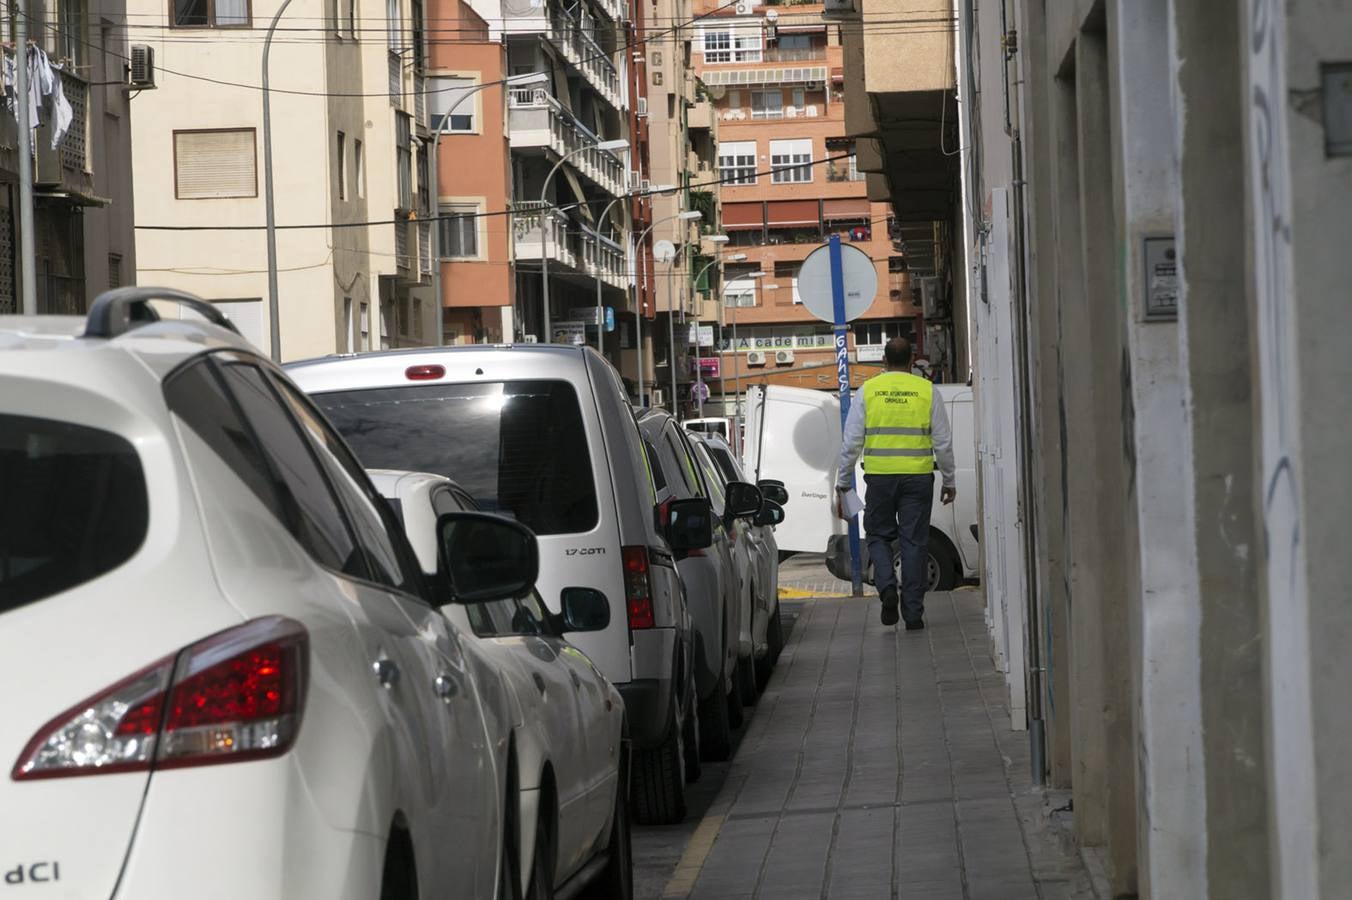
545	434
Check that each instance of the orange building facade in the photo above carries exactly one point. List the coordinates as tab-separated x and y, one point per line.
788	182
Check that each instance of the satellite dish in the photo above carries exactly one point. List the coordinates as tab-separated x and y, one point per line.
717	91
664	251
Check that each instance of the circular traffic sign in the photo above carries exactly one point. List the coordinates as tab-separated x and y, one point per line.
858	273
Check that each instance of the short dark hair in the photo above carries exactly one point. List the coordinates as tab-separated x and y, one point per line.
897	352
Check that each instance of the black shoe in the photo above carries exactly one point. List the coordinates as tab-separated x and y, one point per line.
891	613
917	625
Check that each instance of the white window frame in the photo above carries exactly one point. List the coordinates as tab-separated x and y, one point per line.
732	43
452	87
737	162
253	159
791	161
464	210
740	292
760	109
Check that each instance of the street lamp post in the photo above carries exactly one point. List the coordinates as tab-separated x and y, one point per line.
737	369
620	144
274	314
527	80
699	371
687	216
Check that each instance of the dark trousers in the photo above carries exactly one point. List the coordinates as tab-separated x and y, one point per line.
898	506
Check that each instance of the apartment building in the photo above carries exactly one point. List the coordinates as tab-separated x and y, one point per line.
540	193
789	181
349	161
82	194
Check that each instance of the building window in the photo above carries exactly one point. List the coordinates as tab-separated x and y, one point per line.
728	45
460	231
211	13
457	102
393	26
403	150
737	162
114	270
791	161
767	104
365	336
350	15
358	169
740	292
215	164
72	21
341	166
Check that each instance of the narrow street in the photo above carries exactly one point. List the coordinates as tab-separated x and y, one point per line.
878	764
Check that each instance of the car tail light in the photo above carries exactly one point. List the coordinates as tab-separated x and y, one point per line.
234	696
425	373
637	588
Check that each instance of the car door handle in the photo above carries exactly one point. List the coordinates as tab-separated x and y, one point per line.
446	687
387	673
539	682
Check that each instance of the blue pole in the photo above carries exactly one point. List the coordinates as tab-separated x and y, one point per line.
843	380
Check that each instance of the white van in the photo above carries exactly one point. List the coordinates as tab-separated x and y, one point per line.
793	434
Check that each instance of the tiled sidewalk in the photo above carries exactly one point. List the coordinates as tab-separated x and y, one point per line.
879	764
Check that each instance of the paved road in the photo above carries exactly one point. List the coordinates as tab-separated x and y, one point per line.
878	764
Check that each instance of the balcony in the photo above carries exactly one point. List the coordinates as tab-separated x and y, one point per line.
68	168
793	54
537	120
567	34
701	116
579	249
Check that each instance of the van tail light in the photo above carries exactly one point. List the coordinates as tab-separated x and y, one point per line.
637	587
234	696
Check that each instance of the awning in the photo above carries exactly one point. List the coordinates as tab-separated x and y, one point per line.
846	208
738	77
784	213
743	215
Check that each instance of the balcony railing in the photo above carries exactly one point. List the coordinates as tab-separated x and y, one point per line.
420	101
74	151
604	259
531	222
793	54
425	249
535	119
396	78
578	48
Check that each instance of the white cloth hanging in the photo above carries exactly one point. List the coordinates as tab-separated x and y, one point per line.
47	103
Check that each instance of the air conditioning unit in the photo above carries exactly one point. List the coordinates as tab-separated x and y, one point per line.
755	358
744	7
642	107
929	296
141	72
783	357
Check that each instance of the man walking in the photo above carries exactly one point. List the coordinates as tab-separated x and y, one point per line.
898	421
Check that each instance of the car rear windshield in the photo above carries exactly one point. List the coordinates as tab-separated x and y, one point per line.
74	506
518	447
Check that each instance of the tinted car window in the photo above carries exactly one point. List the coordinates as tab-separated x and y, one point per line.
506	618
74	506
711	477
309	508
518	447
725	463
684	464
654	468
375	528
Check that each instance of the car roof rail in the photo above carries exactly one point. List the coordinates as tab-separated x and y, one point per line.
120	310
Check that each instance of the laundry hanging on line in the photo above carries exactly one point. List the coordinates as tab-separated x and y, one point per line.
47	103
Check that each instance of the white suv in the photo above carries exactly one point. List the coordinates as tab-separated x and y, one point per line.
221	653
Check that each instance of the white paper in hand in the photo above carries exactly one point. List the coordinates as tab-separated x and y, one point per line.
850	504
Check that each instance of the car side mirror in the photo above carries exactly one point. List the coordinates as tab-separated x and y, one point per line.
487	557
771	513
773	490
743	500
690	524
584	609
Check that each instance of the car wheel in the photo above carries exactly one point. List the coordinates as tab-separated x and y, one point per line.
775	635
736	711
715	727
542	866
616	881
746	681
942	572
659	779
399	881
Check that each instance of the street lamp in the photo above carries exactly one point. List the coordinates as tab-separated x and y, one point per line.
687	216
699	370
620	144
737	369
605	211
528	80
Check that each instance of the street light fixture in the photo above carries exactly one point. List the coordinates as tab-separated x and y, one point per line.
737	368
615	145
605	211
529	79
687	216
699	369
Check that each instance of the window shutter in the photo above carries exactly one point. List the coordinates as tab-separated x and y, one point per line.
214	164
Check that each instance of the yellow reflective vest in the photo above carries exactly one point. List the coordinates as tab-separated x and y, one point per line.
897	438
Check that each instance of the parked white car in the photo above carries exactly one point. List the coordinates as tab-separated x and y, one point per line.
760	554
545	434
230	660
567	720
